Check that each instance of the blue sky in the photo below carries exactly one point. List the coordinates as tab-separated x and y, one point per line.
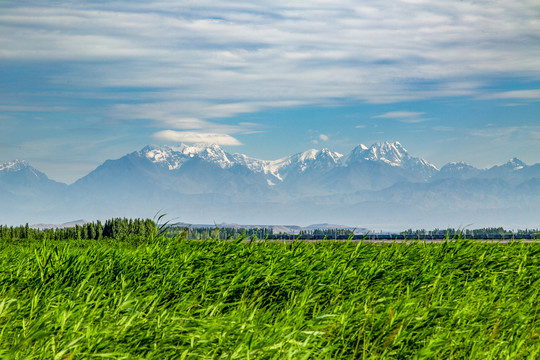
86	81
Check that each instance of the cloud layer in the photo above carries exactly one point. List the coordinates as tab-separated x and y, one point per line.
403	116
194	62
249	53
195	137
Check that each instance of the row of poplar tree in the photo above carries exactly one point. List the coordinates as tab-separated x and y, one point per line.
118	228
198	233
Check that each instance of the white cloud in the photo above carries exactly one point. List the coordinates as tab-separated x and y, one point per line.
279	40
518	134
189	114
323	137
195	137
399	115
532	94
403	116
206	60
499	132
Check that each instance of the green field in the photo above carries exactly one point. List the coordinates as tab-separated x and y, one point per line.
171	298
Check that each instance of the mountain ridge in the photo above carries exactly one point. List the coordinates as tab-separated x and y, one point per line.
390	153
380	184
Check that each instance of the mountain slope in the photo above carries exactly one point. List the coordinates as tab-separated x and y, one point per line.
19	178
26	193
305	173
514	171
457	170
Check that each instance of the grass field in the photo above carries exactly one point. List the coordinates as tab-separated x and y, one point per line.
215	299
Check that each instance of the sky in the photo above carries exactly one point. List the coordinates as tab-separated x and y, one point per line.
86	81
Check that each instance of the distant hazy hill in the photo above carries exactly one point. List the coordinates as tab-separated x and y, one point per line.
59	226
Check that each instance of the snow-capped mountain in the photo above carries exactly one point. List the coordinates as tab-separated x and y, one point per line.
173	157
21	167
392	154
18	177
26	191
513	171
457	170
285	170
13	166
305	164
198	169
201	183
514	164
311	159
304	173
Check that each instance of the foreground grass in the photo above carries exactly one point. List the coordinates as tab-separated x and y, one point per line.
217	299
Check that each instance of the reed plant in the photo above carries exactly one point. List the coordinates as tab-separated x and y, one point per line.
216	299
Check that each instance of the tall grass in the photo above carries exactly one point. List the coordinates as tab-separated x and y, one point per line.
239	300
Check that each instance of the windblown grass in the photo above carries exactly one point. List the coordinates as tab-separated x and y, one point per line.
218	299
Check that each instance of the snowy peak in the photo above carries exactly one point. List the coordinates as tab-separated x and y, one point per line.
173	157
457	166
21	179
307	155
310	159
318	156
206	151
14	166
21	167
389	153
163	156
459	170
357	154
515	164
252	164
211	153
393	154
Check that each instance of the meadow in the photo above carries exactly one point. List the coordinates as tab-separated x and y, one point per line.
164	298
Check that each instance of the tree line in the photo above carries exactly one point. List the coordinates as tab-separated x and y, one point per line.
199	233
117	228
488	231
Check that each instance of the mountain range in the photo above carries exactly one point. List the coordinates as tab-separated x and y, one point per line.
380	187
